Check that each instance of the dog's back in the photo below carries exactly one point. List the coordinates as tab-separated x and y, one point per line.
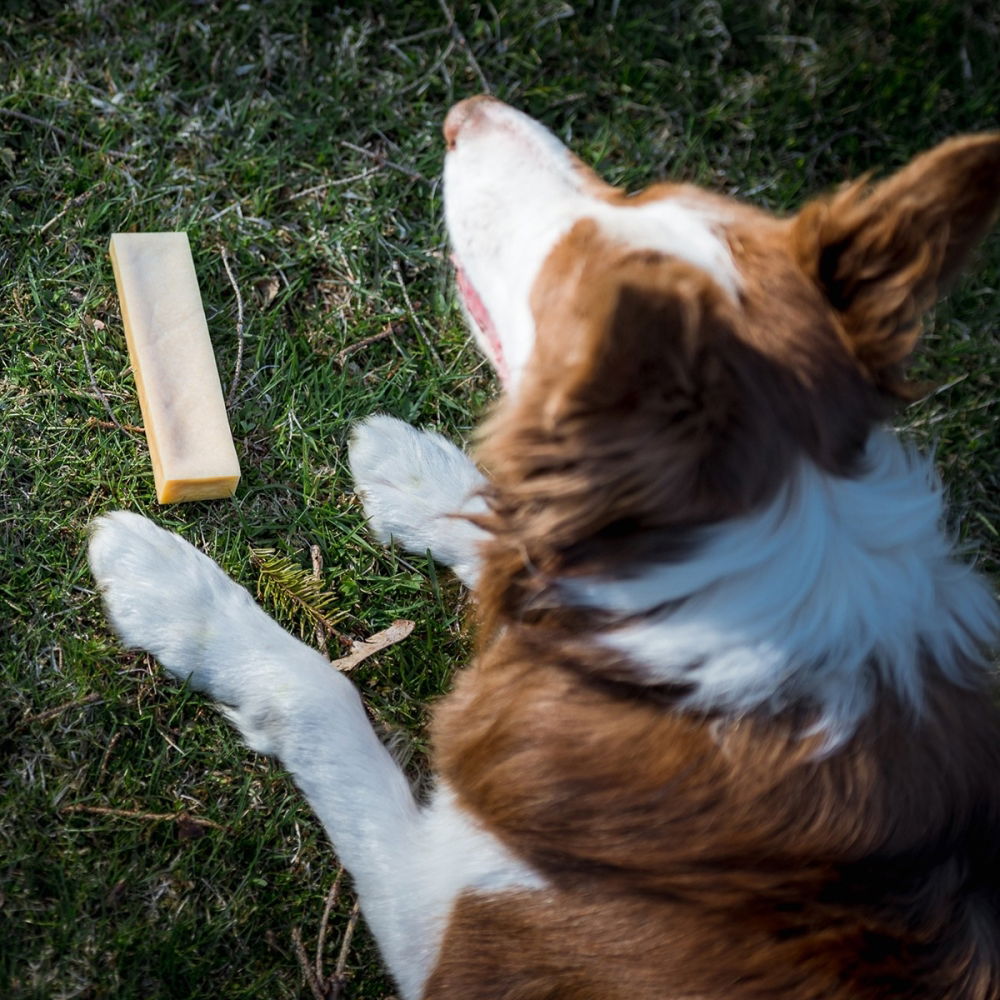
704	858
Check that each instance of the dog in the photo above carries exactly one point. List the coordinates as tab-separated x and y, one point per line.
729	731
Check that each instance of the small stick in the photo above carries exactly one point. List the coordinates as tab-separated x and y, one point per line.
343	355
97	389
413	314
109	426
409	171
460	38
239	331
345	947
437	64
86	143
361	649
337	182
331	899
51	713
135	814
317	560
316	554
73	203
102	770
315	987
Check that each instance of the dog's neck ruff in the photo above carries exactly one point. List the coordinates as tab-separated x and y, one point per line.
837	587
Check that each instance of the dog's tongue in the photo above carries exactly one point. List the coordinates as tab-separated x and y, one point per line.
481	317
471	298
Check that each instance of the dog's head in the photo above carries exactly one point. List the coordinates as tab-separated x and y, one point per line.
671	355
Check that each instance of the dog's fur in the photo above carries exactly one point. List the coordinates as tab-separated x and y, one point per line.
729	732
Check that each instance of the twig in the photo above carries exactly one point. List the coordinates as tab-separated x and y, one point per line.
413	313
372	155
239	331
322	986
109	426
361	649
109	750
86	143
73	203
51	713
177	817
336	182
343	355
434	67
345	947
331	898
315	987
97	389
317	560
460	38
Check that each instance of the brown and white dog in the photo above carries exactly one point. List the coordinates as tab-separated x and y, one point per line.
729	732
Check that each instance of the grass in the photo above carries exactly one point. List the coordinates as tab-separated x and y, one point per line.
303	139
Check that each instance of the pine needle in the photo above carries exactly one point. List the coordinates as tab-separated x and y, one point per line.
296	594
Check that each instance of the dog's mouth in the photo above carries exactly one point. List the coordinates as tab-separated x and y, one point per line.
480	321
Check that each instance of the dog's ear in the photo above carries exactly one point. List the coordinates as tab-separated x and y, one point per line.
883	253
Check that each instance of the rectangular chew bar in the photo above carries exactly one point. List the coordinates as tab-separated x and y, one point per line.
187	429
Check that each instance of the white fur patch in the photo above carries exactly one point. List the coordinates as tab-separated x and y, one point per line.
415	485
447	855
837	584
677	229
409	863
512	191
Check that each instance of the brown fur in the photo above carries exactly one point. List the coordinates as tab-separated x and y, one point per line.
691	856
694	856
639	355
883	254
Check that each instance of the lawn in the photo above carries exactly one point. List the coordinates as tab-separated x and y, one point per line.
143	851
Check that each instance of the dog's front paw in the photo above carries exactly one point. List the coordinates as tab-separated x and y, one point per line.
164	596
415	486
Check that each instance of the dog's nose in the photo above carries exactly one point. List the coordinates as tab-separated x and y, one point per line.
462	114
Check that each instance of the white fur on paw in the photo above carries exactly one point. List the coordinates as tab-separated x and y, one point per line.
412	484
164	596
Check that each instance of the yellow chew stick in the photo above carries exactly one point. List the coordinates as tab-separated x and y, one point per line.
187	429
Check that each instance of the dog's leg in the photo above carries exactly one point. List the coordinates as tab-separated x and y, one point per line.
416	486
408	862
